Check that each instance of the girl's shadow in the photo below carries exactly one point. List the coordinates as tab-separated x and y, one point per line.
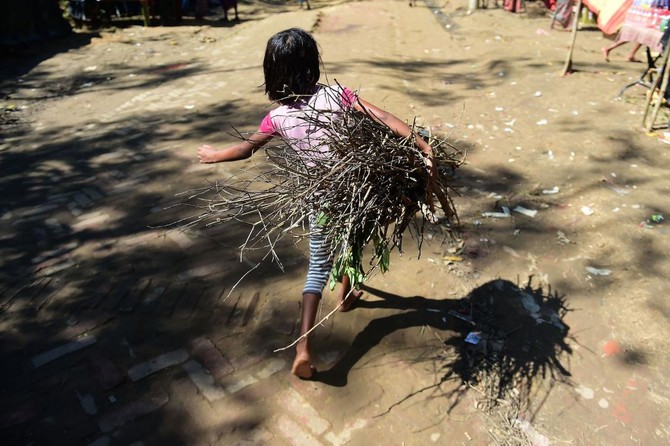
500	328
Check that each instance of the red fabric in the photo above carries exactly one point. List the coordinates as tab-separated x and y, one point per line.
611	14
550	4
513	5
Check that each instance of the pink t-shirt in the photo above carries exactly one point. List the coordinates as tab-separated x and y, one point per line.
296	122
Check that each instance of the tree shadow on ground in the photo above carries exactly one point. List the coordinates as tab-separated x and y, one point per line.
21	59
83	266
498	332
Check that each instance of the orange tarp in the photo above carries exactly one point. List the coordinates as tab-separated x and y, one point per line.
611	13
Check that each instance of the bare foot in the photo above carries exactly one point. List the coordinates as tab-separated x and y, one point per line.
633	59
606	53
350	301
302	364
303	369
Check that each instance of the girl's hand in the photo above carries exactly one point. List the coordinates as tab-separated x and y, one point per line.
429	162
206	154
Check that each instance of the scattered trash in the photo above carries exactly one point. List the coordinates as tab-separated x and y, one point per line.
618	190
538	94
542	122
611	348
91	68
473	338
598	271
511	251
541	32
499	109
452	258
585	392
655	219
561	239
587	210
504	214
535	437
550	155
553	190
460	245
517	232
527	212
461	316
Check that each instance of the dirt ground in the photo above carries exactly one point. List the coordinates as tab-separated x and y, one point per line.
118	113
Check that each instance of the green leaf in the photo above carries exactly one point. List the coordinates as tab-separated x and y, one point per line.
322	219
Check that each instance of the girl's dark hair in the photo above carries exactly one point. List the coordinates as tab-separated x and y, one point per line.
291	65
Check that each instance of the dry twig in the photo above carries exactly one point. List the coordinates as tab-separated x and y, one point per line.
355	177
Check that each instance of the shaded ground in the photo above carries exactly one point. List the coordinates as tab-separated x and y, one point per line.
113	330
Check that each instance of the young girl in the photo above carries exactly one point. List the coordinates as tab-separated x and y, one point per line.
291	69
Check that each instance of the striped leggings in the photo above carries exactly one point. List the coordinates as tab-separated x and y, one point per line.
320	261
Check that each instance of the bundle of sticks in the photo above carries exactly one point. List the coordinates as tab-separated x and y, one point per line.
368	187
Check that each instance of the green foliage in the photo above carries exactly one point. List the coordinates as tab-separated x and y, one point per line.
350	260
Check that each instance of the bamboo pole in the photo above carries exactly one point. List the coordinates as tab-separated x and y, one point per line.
145	11
662	78
567	68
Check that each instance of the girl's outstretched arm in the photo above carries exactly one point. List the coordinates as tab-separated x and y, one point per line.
241	150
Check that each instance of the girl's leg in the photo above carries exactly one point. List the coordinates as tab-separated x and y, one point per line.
631	55
607	49
348	297
302	365
320	265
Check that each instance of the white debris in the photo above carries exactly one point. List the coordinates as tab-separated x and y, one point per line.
587	210
527	212
504	214
598	271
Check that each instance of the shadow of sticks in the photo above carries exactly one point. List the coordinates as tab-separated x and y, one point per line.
502	338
